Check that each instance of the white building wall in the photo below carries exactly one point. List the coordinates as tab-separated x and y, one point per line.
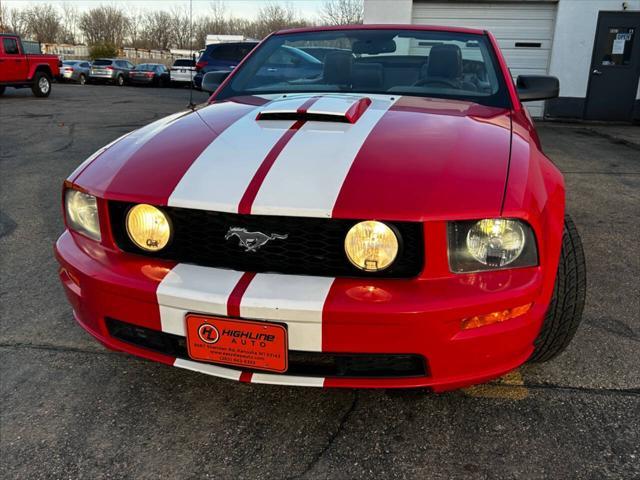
388	11
575	31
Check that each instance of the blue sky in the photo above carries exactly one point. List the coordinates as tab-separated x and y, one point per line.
237	8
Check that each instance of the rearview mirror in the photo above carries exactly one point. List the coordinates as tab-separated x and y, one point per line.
212	80
373	46
537	87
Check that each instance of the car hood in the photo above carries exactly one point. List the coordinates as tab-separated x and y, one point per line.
344	156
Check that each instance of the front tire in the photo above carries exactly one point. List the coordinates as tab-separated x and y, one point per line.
82	79
2	89
120	81
565	311
41	85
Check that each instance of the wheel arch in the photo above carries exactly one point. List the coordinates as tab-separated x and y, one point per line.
42	67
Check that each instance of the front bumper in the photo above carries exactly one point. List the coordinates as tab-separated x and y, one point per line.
373	316
98	76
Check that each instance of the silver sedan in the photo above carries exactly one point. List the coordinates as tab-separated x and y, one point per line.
75	71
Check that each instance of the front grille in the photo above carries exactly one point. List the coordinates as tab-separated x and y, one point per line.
308	364
314	246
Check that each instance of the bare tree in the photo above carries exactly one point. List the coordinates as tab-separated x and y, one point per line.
43	22
4	18
17	22
273	17
342	12
181	27
135	27
214	23
104	24
218	12
71	17
158	30
240	26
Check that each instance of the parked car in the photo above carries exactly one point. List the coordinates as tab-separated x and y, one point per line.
221	57
110	70
288	63
182	71
75	71
155	74
25	70
390	223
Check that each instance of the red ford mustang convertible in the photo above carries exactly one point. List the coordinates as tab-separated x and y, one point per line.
380	217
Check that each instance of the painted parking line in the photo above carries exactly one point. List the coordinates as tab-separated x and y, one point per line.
508	387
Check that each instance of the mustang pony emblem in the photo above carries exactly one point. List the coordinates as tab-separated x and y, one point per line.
252	241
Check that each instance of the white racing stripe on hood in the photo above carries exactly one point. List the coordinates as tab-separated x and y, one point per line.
285	105
334	105
219	177
308	175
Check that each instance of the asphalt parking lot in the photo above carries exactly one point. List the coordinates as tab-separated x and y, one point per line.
72	409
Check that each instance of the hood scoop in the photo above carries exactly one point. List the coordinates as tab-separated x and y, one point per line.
326	108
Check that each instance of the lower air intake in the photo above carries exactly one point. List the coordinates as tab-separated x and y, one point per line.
308	364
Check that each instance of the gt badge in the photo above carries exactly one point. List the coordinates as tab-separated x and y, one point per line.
252	241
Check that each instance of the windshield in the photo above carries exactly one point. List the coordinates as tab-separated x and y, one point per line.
70	62
146	67
184	63
402	62
102	62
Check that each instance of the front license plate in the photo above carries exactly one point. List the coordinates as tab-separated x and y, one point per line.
243	343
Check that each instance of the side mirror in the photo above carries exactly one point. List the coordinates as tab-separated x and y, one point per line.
212	80
537	87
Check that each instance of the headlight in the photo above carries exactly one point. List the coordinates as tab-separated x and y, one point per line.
491	244
82	213
371	246
148	227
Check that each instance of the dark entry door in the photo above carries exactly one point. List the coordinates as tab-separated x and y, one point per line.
615	67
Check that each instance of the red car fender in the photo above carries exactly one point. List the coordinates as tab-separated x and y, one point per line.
535	192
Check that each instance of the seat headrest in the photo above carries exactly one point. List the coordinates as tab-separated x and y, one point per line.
337	68
445	61
367	76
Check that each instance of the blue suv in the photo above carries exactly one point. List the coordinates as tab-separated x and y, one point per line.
221	56
285	63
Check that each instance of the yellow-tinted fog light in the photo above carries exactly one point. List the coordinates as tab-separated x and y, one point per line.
148	227
371	246
494	317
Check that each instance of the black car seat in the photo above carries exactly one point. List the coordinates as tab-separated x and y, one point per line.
337	68
367	76
444	68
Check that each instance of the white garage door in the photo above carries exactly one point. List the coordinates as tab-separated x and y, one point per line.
524	30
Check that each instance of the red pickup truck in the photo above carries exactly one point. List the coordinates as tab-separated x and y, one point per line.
21	69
